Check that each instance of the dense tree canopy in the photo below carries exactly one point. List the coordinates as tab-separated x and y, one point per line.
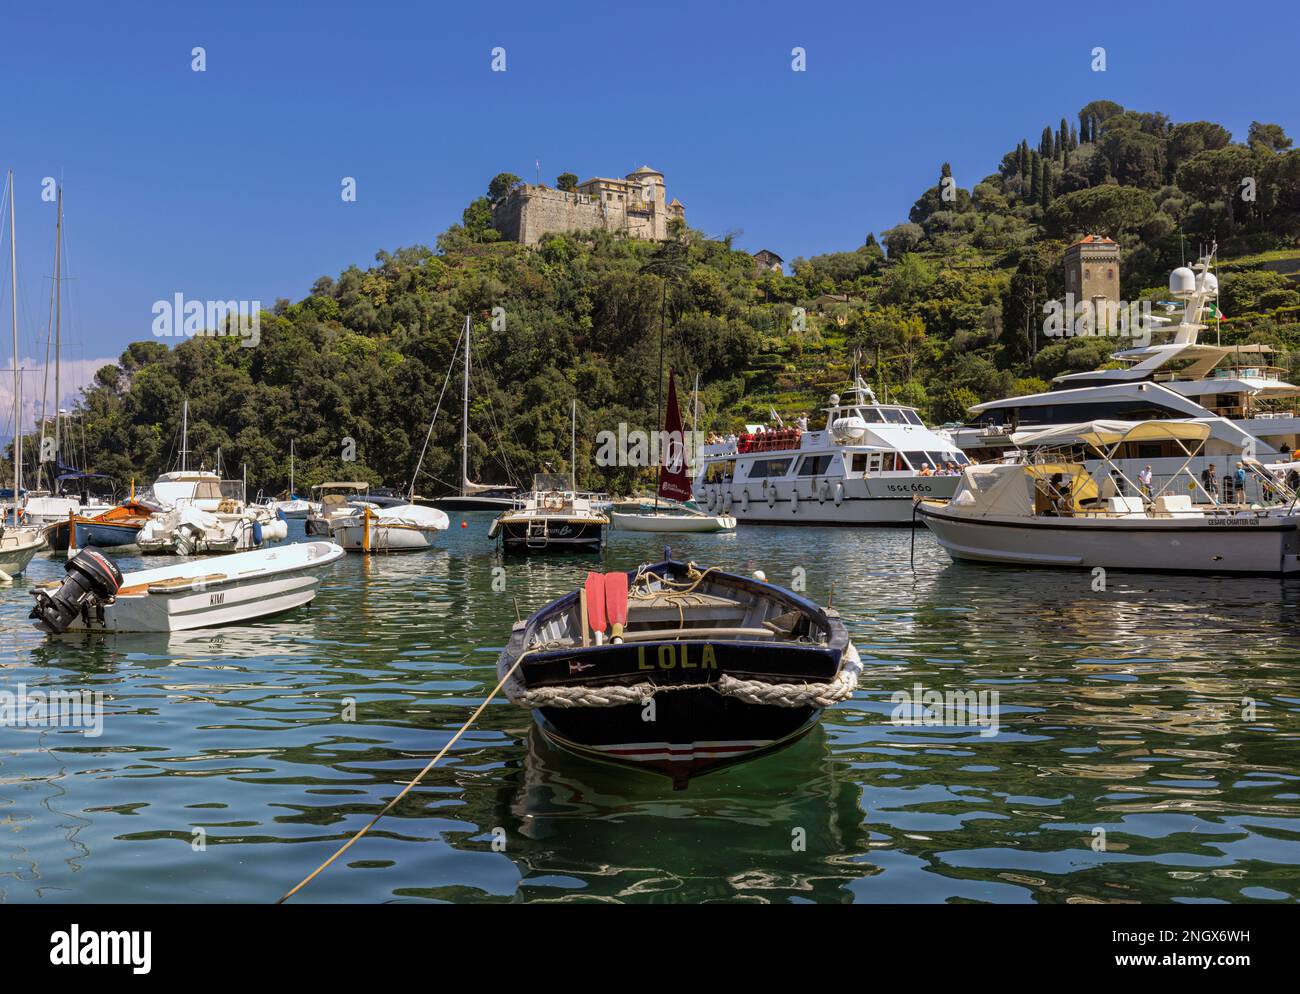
948	313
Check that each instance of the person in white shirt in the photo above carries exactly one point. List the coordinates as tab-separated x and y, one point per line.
1144	480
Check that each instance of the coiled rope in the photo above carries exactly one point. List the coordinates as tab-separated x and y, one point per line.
785	695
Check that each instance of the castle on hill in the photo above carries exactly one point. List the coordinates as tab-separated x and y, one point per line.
636	205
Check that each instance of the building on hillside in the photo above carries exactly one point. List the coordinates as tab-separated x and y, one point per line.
767	259
636	205
1092	269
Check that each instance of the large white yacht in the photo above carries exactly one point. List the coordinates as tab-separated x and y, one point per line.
864	468
1247	404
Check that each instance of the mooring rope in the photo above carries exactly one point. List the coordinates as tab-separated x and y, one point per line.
407	789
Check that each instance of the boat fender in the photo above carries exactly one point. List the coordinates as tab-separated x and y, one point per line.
257	533
771	497
824	491
726	502
794	500
744	501
839	494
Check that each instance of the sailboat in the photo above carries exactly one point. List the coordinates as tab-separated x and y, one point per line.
17	543
295	506
472	496
677	512
45	506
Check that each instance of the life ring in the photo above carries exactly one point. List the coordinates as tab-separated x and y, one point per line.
554	501
744	502
839	493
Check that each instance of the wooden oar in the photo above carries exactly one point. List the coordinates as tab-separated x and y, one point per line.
616	603
596	604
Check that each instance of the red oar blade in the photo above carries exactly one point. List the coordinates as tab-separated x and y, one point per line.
596	602
616	602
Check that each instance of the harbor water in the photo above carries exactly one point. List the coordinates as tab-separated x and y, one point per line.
1133	738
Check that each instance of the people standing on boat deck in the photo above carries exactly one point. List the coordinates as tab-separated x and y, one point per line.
1240	480
1210	482
1144	481
803	421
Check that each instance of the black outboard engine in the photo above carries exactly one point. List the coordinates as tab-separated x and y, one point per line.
92	581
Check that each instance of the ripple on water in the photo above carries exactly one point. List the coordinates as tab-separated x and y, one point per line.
1144	746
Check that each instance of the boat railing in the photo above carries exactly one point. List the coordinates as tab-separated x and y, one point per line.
780	440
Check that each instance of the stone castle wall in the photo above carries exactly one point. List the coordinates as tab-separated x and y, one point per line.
531	212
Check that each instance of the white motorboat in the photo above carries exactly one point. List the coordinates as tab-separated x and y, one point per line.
293	509
1051	510
96	597
403	528
189	530
337	499
17	547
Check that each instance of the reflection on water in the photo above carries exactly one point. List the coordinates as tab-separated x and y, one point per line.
1157	716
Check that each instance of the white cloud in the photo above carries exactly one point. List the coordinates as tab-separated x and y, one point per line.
74	374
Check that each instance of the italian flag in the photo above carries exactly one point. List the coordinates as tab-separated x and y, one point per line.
1215	313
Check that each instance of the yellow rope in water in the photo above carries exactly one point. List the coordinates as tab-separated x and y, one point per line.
419	776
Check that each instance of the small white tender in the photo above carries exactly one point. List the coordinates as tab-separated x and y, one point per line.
97	597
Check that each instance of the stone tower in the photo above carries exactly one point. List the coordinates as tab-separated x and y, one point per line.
1092	269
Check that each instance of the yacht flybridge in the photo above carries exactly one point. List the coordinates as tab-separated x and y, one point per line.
863	468
1246	402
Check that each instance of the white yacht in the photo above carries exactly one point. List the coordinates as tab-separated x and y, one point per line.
863	468
1242	398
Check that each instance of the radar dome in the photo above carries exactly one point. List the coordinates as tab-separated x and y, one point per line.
1182	282
835	399
1209	283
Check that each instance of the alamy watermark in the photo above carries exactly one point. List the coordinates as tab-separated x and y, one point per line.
946	709
181	318
23	708
633	447
1100	318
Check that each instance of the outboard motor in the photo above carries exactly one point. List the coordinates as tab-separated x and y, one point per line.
92	581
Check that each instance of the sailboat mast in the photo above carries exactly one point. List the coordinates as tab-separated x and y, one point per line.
291	493
464	418
573	449
18	380
58	316
185	433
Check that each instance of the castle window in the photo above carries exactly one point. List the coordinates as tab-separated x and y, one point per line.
1087	274
1110	274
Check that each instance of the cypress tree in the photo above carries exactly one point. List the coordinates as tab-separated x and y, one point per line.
1074	138
1064	135
1045	144
1022	158
1046	185
1083	128
1035	175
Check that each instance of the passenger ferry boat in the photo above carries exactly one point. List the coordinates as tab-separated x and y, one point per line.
1246	402
864	468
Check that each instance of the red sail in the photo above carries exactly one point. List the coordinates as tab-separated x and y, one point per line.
674	483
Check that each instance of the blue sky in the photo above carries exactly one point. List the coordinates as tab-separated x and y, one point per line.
225	184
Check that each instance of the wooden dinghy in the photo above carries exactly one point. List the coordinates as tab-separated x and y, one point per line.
95	596
702	669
